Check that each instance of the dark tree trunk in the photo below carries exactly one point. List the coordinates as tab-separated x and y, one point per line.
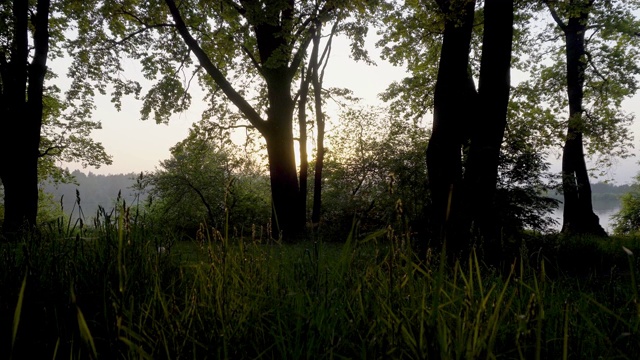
20	193
452	97
481	170
317	177
302	124
22	95
317	92
288	218
578	217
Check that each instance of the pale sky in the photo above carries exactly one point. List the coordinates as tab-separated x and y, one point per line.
138	145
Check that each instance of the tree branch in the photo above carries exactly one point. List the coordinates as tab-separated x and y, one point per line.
324	59
253	59
237	7
232	126
554	15
297	57
146	27
49	151
593	66
252	115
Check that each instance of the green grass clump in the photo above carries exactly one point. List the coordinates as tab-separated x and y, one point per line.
124	294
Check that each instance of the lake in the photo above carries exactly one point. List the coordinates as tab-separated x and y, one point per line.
604	213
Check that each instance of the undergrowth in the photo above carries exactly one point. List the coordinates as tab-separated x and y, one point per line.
119	292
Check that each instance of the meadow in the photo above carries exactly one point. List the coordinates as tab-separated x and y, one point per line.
119	291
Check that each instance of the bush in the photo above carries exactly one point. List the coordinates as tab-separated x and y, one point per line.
627	220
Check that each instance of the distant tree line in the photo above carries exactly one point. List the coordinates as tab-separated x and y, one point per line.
605	195
88	191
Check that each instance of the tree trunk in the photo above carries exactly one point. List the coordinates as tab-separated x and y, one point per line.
288	218
302	124
317	92
20	193
451	110
578	217
317	177
481	170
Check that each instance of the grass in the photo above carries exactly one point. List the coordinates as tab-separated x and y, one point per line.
117	296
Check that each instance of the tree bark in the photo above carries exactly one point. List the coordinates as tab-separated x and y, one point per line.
578	216
481	170
452	97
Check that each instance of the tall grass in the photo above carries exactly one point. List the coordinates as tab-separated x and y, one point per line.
115	295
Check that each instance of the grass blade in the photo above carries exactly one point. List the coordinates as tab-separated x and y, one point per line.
18	311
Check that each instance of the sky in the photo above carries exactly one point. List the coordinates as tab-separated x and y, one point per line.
137	145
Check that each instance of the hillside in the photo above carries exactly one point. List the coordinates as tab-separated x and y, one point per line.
93	190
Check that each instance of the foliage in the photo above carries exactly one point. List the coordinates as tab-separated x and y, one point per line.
66	137
374	171
413	38
208	179
627	220
145	32
524	181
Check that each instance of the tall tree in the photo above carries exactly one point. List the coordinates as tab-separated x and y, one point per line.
454	86
36	126
481	171
317	66
21	107
248	52
610	62
468	124
278	62
599	53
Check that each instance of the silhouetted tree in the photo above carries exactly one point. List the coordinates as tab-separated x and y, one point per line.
22	68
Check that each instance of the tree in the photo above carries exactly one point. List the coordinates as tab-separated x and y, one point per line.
245	53
627	220
46	128
314	76
317	67
597	35
206	180
374	173
487	133
454	86
417	36
468	124
21	105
